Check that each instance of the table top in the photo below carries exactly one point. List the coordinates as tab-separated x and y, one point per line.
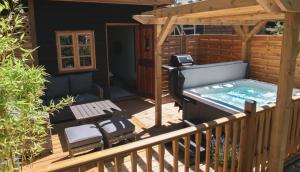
94	109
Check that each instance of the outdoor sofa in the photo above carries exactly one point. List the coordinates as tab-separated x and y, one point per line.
80	86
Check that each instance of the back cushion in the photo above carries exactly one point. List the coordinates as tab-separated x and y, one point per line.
81	83
213	73
57	87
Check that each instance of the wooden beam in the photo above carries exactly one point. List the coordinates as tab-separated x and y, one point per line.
247	139
165	30
289	5
256	29
213	7
158	76
281	118
269	5
247	19
130	2
239	31
246	36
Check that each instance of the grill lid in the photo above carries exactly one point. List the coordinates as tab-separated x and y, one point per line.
181	60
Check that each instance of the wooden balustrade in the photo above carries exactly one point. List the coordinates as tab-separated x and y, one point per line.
221	138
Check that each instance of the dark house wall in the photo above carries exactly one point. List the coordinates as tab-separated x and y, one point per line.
53	16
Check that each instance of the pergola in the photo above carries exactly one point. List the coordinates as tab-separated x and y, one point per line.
240	14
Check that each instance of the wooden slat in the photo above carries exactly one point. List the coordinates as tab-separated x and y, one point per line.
217	147
259	142
100	165
161	157
266	140
118	163
241	155
149	159
234	145
187	141
208	144
133	157
198	147
227	146
175	155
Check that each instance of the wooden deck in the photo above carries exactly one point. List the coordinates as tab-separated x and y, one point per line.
141	113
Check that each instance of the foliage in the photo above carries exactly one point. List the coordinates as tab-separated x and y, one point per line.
277	29
23	117
222	151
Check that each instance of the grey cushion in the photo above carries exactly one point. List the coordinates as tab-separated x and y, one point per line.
82	135
85	98
57	87
81	83
115	127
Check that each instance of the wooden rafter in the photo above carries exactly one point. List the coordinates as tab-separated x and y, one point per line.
130	2
289	5
269	5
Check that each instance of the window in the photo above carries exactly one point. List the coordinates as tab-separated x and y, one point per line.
75	51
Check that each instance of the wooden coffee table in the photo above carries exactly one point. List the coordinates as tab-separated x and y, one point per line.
87	111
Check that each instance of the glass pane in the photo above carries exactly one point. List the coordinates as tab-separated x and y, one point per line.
84	50
85	61
68	63
66	51
66	40
84	39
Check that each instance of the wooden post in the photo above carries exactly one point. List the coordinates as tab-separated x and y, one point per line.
246	36
247	142
157	74
33	30
285	86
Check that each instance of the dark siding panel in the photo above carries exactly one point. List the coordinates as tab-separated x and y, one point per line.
52	16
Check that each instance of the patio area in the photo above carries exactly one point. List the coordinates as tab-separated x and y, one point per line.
141	113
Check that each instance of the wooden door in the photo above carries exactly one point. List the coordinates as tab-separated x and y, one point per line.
144	42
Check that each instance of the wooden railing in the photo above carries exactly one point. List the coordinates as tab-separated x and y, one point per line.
226	139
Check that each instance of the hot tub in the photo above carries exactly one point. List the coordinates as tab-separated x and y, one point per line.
218	100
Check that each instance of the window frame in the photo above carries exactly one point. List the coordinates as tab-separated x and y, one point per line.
76	54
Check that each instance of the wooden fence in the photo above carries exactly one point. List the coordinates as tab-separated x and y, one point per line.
232	131
265	51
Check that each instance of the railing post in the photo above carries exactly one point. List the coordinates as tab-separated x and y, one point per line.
247	142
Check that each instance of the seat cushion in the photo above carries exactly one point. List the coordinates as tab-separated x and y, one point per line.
85	98
82	135
115	127
57	87
81	83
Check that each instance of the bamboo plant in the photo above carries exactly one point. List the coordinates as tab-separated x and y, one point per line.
23	116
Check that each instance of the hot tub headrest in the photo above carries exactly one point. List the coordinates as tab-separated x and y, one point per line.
202	75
